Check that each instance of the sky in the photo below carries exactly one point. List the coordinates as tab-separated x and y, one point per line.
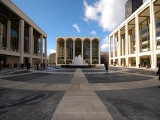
71	18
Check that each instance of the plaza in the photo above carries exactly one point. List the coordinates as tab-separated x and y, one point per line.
58	93
51	92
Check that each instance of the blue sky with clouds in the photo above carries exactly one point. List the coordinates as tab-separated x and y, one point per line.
74	18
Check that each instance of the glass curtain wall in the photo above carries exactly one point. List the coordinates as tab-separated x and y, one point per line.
3	32
95	51
144	36
26	41
14	36
36	44
158	33
78	47
86	51
69	51
132	40
111	48
123	44
60	51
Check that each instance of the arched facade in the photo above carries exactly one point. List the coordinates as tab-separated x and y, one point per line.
70	47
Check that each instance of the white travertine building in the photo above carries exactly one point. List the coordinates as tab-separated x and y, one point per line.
137	40
68	48
21	40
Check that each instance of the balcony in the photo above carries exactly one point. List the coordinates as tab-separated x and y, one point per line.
145	49
158	39
144	42
158	47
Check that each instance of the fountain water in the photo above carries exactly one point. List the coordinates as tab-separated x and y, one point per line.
78	60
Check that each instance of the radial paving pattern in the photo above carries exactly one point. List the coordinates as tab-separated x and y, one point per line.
79	94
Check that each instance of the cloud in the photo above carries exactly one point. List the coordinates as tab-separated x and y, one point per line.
105	44
93	32
50	51
108	13
76	27
144	1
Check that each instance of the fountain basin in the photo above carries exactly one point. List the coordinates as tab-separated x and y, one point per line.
78	66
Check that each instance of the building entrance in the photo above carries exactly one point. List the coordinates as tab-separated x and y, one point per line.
26	61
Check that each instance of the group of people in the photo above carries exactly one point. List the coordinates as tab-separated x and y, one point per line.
42	65
9	65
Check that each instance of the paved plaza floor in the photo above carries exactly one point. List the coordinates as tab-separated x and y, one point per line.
79	94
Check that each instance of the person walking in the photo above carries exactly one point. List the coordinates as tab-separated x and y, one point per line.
158	73
37	65
28	66
106	66
139	65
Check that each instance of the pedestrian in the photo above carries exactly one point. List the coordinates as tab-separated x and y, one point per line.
22	65
106	66
41	65
37	65
158	73
0	65
139	65
28	66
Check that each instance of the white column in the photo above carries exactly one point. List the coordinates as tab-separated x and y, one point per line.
119	47
21	39
99	57
126	44
113	48
109	50
46	52
91	51
137	38
65	51
57	52
82	50
122	39
73	49
41	37
31	47
9	34
153	36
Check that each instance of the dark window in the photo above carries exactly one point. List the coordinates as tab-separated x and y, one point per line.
14	36
36	45
3	31
26	41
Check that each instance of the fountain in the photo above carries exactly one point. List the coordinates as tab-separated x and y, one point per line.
78	60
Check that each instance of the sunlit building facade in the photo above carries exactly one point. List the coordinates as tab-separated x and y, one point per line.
137	40
70	47
21	40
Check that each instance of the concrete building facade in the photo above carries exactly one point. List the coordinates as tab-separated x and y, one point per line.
67	48
52	58
131	6
21	40
137	40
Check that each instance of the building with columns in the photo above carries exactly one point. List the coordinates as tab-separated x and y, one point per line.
137	40
21	40
67	48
